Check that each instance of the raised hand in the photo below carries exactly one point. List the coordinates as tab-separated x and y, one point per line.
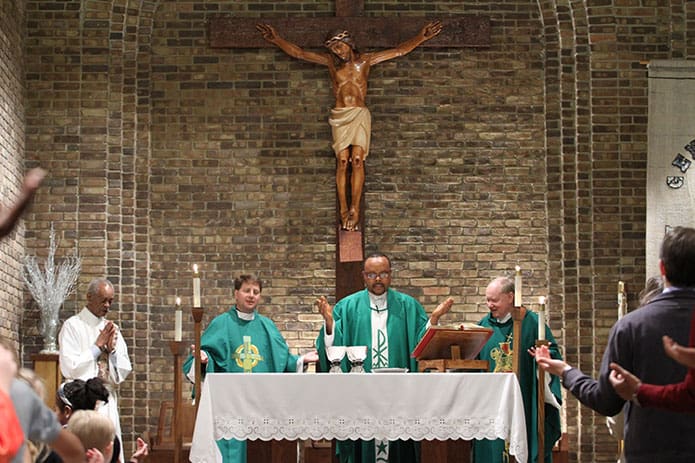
269	33
441	309
141	451
94	456
682	355
326	311
625	383
546	363
432	29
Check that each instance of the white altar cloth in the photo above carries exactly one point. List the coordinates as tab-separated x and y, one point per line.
358	406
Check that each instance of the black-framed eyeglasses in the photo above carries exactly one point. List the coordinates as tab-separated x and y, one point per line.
382	275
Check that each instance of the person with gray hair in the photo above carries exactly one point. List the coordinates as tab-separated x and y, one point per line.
498	350
92	346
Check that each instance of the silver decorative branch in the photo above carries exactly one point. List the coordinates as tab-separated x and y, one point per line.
50	287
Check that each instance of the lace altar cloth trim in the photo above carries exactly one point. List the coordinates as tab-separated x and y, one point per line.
344	428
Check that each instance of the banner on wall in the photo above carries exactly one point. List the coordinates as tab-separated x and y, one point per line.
671	153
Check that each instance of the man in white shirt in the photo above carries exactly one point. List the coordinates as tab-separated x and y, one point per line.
91	345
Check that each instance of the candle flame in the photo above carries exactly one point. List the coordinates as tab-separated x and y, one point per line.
518	269
195	268
178	301
541	300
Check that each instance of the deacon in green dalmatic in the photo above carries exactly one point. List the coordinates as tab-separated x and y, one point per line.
243	341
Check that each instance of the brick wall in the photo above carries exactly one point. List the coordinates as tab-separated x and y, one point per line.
164	152
12	132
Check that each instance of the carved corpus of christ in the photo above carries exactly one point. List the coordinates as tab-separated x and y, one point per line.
350	119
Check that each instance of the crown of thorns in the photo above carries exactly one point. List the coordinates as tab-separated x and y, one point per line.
340	37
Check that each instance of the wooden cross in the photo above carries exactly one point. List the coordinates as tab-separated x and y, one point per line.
373	32
369	31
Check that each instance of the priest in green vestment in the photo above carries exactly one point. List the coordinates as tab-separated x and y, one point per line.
498	351
390	324
243	341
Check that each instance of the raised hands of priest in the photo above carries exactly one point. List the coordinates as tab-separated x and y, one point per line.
441	309
547	363
625	383
203	355
682	355
326	311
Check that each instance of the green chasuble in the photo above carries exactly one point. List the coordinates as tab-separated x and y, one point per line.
498	351
405	326
235	345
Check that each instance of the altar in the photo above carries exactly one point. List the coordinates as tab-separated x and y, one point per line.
418	406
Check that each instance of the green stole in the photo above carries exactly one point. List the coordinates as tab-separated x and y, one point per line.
498	351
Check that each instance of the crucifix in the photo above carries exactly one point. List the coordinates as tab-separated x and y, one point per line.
399	35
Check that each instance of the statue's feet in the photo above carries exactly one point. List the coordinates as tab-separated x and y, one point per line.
353	220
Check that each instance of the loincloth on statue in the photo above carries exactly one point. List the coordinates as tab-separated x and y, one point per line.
351	126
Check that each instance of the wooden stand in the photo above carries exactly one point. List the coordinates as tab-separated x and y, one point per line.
541	407
453	363
178	349
274	451
435	451
47	368
197	313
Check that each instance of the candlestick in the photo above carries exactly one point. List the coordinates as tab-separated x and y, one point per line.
178	320
196	287
541	319
621	299
517	287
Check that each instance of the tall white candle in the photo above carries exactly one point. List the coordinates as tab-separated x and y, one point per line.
621	299
517	287
541	318
196	287
178	320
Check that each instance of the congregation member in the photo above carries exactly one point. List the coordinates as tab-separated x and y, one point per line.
76	395
11	435
499	296
678	397
616	424
91	346
390	324
38	422
96	432
230	338
635	343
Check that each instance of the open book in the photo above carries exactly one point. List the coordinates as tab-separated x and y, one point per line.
438	340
